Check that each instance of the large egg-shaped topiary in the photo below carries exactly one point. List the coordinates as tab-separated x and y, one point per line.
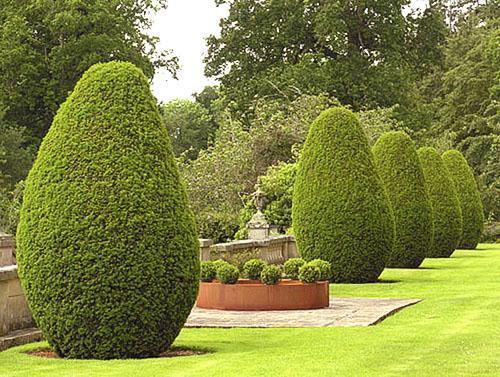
398	165
446	213
107	249
468	196
340	210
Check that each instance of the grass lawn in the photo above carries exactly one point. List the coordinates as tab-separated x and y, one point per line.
455	331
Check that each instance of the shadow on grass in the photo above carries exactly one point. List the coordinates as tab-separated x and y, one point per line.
175	351
387	281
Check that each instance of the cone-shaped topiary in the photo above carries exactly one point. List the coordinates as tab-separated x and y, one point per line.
446	213
399	168
468	196
107	248
340	211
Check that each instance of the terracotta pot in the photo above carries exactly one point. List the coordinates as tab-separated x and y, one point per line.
250	295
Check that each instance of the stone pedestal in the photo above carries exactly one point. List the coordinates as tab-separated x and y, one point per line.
258	227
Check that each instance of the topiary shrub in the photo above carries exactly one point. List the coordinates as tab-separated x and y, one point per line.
228	274
292	267
468	196
271	274
325	268
220	262
253	268
446	213
208	271
397	163
341	212
107	247
309	273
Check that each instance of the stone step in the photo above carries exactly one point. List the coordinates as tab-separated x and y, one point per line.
20	337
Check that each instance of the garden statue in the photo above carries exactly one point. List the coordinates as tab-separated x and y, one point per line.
258	227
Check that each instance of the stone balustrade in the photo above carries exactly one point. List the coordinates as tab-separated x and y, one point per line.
16	322
15	315
274	250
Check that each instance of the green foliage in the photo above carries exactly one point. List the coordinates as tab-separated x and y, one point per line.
17	159
309	273
468	196
398	165
253	268
10	206
325	268
107	249
341	212
354	51
219	263
190	126
227	171
208	271
292	267
227	274
271	274
446	212
46	45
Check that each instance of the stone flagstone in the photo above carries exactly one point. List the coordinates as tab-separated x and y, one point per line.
343	312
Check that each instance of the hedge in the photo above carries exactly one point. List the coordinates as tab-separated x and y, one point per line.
340	211
399	168
468	196
446	213
107	247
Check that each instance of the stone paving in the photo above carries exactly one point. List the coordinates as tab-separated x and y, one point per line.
343	312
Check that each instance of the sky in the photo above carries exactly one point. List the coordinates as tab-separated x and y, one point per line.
183	27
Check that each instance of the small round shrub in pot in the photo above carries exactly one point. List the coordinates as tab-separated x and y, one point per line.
325	268
228	274
309	273
253	268
220	262
292	267
271	274
208	271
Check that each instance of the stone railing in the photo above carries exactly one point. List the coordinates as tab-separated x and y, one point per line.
16	322
15	315
274	250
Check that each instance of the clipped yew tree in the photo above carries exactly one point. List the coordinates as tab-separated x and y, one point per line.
340	210
446	213
398	165
468	196
107	248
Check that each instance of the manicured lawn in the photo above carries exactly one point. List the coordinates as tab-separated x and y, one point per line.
455	331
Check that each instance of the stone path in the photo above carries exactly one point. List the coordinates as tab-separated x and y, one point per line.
343	312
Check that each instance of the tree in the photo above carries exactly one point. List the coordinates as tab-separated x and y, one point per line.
46	45
468	196
340	212
397	163
352	50
190	125
107	248
446	212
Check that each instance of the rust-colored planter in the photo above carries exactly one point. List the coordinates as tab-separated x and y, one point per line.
253	295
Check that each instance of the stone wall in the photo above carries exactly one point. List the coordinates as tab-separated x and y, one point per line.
274	250
15	314
14	311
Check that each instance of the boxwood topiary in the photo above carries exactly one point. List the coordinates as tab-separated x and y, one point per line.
208	271
309	273
446	213
399	168
107	248
468	196
228	274
271	274
220	262
253	268
325	268
292	267
341	212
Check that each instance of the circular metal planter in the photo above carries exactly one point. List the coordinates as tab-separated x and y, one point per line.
252	295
